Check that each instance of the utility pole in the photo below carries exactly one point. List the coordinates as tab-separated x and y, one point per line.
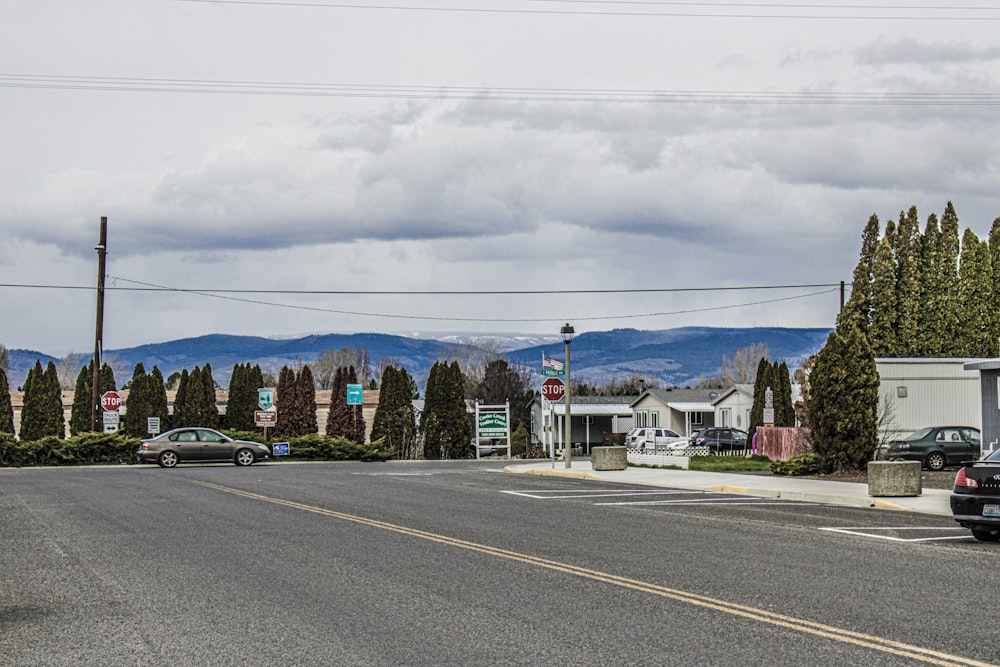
95	391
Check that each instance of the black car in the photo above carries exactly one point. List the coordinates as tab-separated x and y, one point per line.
975	501
934	446
720	439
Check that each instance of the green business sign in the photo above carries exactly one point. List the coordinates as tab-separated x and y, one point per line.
493	424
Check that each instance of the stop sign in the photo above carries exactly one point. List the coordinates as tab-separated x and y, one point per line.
553	389
111	401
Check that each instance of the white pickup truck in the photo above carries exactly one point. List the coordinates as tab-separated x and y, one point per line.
651	438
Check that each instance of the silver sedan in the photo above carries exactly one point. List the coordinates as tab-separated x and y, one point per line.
185	445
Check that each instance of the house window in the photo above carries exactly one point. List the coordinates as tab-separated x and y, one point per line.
697	418
900	392
724	417
654	418
641	418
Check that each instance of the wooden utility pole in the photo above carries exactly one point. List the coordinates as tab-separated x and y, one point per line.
95	391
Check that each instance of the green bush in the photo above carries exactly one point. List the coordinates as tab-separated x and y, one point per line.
723	463
803	464
316	447
83	449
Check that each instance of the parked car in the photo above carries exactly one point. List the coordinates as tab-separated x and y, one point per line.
935	446
185	445
486	447
975	501
720	439
651	437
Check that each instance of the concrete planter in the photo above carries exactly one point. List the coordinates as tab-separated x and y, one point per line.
894	478
609	458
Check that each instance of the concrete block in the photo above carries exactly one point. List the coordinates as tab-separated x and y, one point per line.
609	458
894	478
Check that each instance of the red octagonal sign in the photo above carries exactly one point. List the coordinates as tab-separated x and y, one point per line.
111	401
553	389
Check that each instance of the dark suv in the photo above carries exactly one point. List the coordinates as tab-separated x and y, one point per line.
720	439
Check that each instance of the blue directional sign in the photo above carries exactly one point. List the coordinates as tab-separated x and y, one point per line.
281	449
355	394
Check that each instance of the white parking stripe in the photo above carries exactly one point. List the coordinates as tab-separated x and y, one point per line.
867	532
589	494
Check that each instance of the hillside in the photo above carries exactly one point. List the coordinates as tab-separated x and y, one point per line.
675	356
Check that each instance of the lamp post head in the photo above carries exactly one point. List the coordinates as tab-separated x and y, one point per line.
567	333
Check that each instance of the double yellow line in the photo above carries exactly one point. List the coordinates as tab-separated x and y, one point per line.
752	613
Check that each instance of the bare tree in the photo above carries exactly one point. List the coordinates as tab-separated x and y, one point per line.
473	359
4	358
742	368
68	368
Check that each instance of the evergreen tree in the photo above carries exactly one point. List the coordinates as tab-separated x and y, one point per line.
760	387
859	307
502	382
107	379
394	420
291	420
81	415
784	408
908	290
55	416
157	393
933	326
182	410
883	327
431	417
338	420
948	256
137	406
243	398
42	412
208	409
356	433
6	407
843	402
306	395
975	299
994	245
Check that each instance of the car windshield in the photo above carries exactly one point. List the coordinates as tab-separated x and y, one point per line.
670	434
917	435
993	456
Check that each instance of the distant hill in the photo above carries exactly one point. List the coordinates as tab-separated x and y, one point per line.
675	356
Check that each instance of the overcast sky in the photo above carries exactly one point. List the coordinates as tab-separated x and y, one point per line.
471	145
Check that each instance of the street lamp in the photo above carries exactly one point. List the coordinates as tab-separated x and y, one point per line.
567	334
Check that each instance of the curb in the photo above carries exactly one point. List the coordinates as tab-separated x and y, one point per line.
554	473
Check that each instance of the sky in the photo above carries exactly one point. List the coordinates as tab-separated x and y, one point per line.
486	166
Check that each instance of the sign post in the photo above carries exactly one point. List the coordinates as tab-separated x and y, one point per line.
268	413
493	422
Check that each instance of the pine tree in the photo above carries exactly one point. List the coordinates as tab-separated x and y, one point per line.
883	327
975	299
107	379
6	408
430	419
82	413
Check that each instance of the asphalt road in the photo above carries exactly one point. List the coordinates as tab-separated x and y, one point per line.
462	564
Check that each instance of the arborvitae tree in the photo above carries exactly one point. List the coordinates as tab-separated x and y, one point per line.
243	398
31	407
137	406
286	401
42	413
444	424
994	244
843	402
976	299
948	254
338	420
394	419
208	409
306	394
182	410
6	408
883	327
908	290
784	408
81	415
859	307
761	384
107	379
55	416
157	397
933	328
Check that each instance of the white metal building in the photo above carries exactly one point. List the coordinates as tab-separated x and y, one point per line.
918	392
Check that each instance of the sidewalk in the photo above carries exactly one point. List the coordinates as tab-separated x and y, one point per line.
931	501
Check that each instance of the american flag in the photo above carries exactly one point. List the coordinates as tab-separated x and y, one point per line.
549	362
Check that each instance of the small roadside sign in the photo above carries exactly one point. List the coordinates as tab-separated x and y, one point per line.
152	425
111	422
265	398
281	448
355	394
111	401
265	417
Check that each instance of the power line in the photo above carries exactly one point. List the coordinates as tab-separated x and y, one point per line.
665	14
225	295
492	94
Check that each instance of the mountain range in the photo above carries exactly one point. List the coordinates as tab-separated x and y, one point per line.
675	356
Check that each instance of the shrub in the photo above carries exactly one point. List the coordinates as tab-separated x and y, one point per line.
83	449
316	447
803	464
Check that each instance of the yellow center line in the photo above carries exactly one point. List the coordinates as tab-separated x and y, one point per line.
753	613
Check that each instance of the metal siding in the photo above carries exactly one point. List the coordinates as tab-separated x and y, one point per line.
990	409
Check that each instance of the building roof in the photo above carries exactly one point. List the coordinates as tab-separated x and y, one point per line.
679	396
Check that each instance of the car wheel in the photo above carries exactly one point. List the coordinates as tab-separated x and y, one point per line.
244	457
168	459
986	534
935	461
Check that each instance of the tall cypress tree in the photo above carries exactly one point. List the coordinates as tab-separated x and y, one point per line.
182	411
859	307
157	397
784	408
357	427
82	413
242	401
6	407
948	255
42	414
907	284
286	403
137	406
761	384
208	409
430	418
306	394
975	299
994	245
339	418
394	420
883	327
933	325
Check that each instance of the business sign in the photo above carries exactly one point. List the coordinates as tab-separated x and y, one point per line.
492	425
111	401
355	394
265	417
265	398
